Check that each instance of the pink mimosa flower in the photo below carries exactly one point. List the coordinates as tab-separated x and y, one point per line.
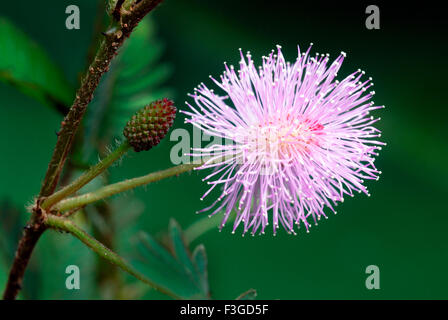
300	140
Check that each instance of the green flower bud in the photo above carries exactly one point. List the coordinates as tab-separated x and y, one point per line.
150	124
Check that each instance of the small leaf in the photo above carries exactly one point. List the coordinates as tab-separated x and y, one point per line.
176	270
27	66
150	248
179	247
250	294
200	260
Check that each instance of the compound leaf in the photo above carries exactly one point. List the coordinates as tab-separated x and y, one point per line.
25	65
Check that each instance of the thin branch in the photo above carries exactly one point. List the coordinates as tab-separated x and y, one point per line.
110	190
103	229
88	176
116	13
104	252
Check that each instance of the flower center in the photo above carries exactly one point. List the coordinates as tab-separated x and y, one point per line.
280	140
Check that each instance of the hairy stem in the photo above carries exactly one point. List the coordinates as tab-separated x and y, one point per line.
110	190
70	227
88	176
116	13
106	275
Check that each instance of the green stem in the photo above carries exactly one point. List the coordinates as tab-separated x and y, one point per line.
110	190
202	226
70	227
88	176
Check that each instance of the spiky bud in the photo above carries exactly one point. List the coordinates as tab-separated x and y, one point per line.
150	124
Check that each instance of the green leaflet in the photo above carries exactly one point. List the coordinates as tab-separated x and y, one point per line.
27	66
133	81
177	270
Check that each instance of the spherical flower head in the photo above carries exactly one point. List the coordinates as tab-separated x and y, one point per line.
150	124
299	139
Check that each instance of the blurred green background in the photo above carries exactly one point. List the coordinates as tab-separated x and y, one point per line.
401	228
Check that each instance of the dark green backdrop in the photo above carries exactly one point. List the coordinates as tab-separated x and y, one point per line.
401	228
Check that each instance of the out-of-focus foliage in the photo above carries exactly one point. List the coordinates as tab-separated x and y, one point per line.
56	251
52	257
11	224
175	269
9	227
134	80
3	273
27	66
